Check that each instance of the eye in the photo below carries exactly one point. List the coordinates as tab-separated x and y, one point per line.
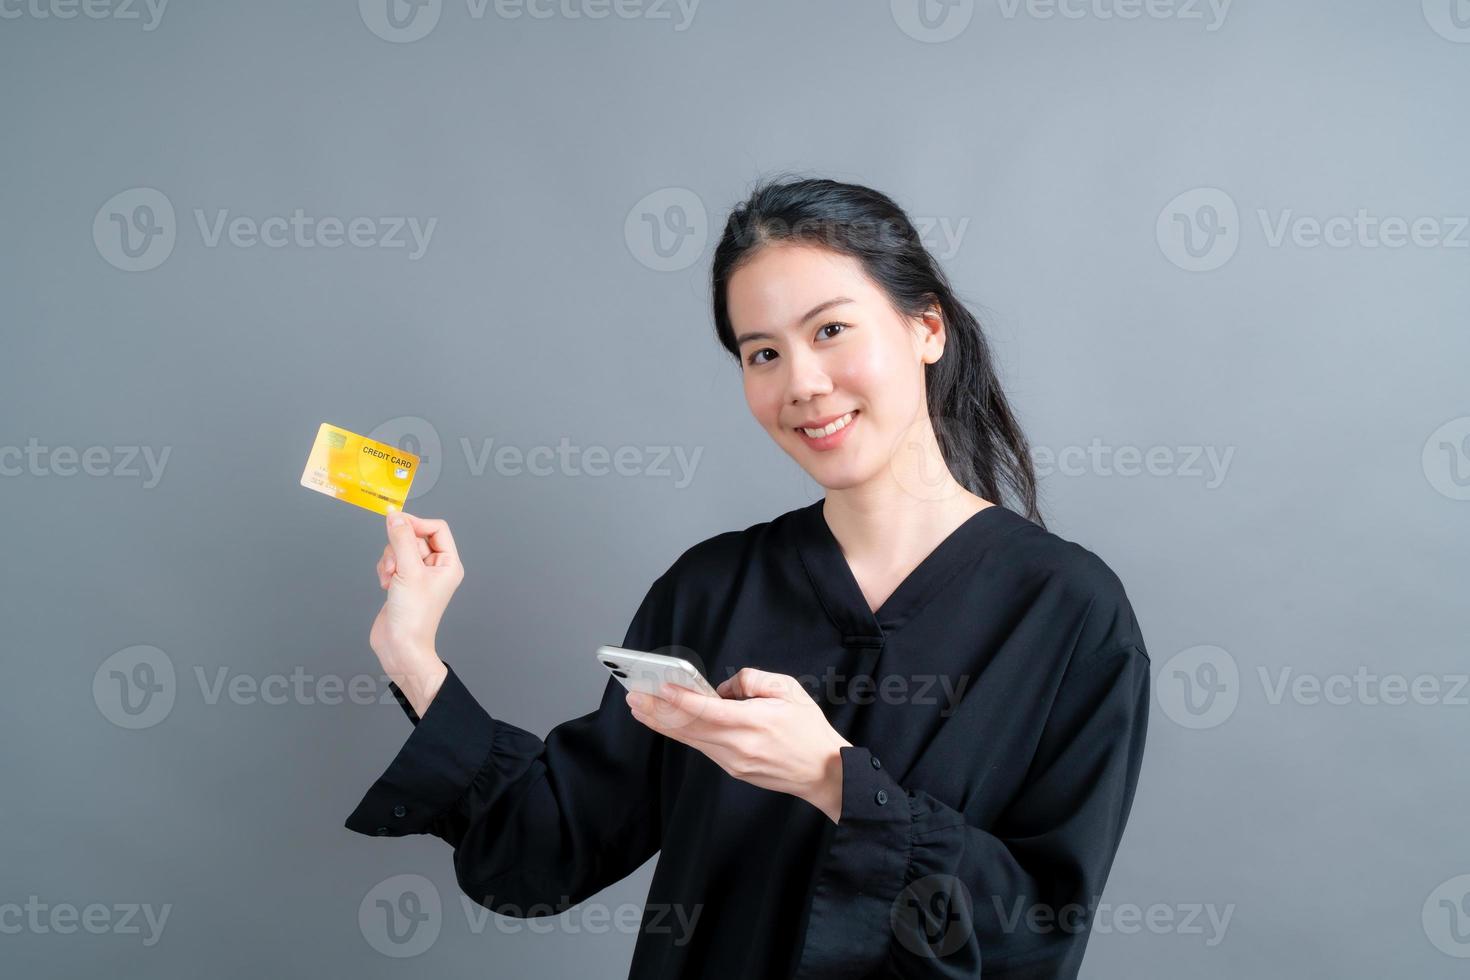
752	359
828	326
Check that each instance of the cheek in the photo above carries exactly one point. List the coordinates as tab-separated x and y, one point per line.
874	376
763	399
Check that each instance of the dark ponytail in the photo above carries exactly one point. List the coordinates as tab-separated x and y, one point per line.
982	444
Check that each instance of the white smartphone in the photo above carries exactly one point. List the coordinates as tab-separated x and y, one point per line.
645	672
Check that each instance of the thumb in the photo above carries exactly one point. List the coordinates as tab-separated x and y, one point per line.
404	543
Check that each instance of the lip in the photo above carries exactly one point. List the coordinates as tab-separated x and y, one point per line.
819	423
829	442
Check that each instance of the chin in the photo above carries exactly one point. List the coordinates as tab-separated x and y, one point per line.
830	485
837	477
833	470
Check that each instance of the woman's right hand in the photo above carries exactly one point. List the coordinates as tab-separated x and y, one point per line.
419	569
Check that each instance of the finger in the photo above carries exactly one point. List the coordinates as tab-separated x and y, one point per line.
677	733
386	566
403	544
435	531
386	560
738	684
659	712
701	715
749	682
730	688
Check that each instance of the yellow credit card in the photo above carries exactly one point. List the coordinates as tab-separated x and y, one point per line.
359	470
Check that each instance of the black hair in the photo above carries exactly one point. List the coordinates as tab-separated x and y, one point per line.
978	434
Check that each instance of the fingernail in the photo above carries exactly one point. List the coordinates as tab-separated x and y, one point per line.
396	518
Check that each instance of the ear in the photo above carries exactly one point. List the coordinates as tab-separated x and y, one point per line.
931	334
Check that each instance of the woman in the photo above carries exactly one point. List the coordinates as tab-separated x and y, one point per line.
932	709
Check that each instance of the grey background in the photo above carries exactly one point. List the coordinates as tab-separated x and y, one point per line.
1335	540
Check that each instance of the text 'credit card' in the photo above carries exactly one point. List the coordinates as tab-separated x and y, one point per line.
359	470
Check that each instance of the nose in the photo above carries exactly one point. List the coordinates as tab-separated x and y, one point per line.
805	377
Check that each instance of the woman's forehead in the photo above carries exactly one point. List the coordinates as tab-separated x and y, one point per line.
781	283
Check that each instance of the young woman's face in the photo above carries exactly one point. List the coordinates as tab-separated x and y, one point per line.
819	342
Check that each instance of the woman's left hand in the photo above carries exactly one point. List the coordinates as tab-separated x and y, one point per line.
764	729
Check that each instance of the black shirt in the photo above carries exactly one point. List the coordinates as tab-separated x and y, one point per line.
996	704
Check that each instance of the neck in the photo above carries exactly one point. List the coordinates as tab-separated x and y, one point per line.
904	508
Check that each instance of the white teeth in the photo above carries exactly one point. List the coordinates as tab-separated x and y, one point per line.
830	428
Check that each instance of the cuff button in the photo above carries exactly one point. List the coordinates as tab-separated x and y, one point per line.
399	810
382	831
876	763
881	797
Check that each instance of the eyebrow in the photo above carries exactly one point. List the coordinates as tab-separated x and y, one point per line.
761	335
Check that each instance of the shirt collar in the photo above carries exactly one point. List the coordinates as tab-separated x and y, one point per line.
841	597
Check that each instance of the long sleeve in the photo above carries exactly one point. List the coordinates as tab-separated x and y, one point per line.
907	887
532	822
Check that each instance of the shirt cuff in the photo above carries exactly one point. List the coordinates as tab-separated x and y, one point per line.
403	702
448	746
860	871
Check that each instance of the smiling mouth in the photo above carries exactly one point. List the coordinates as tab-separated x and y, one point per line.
831	428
